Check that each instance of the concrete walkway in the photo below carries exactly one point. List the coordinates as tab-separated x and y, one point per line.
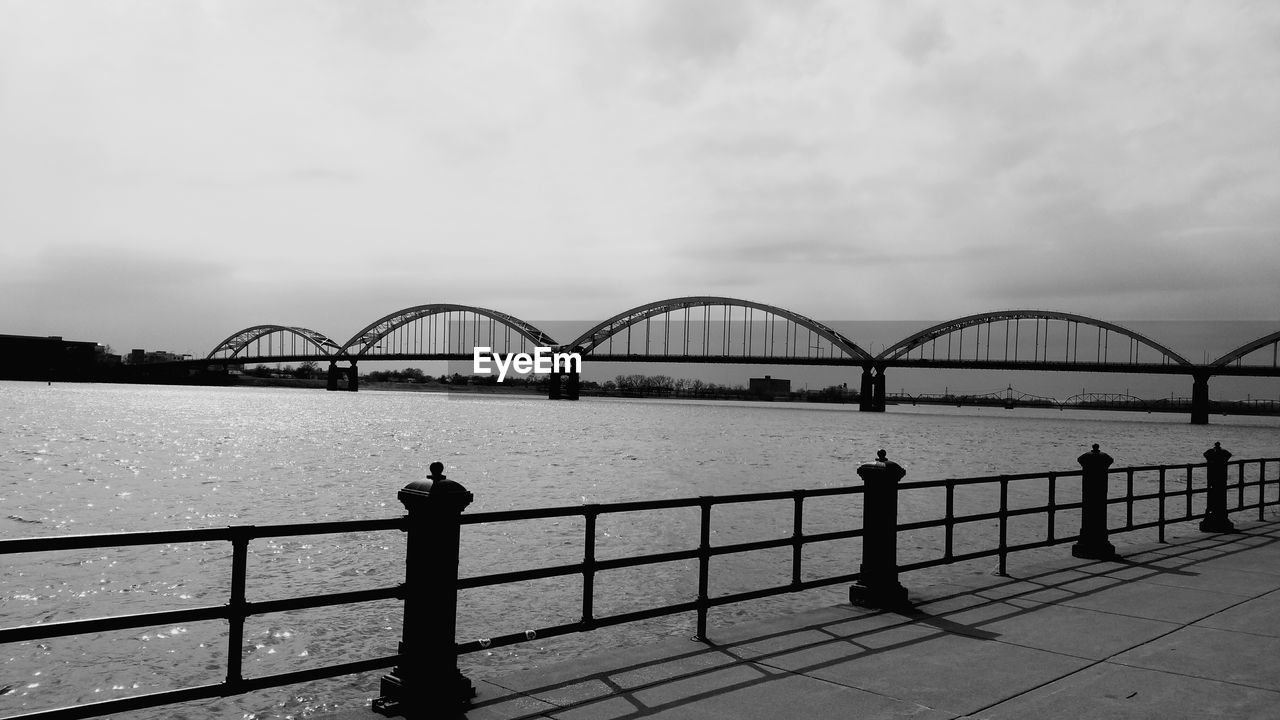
1188	629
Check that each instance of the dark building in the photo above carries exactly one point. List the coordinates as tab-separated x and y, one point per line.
770	387
29	357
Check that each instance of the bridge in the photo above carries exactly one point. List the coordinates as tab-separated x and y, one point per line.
712	329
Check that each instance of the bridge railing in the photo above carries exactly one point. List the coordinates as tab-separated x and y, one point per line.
1103	501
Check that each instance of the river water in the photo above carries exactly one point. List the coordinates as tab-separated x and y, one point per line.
106	458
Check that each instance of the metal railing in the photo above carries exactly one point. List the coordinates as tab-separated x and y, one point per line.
235	611
425	669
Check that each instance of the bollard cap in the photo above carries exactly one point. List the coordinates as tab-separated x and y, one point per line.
1217	454
435	488
1095	459
882	469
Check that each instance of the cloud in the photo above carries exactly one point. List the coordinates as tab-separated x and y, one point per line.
898	160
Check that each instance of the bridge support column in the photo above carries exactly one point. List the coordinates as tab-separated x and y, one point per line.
353	377
871	392
571	385
553	386
1200	400
331	381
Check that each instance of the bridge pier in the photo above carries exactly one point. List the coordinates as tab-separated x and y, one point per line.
335	374
871	395
562	385
1200	399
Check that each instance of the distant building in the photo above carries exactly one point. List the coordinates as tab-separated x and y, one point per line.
146	357
769	387
31	357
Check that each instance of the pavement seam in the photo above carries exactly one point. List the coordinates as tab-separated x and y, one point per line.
1109	659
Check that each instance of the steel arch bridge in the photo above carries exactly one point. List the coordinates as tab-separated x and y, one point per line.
442	331
281	342
716	329
1235	358
1052	342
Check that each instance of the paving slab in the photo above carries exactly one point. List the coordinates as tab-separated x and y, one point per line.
1224	655
1155	602
785	696
949	672
1063	629
1259	616
1116	692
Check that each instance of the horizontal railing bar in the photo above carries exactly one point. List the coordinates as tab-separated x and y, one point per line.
330	527
1119	500
810	539
983	480
205	692
652	559
192	535
317	673
753	545
519	576
644	505
637	615
116	622
264	607
112	540
119	705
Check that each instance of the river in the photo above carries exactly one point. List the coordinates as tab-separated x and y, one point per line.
106	458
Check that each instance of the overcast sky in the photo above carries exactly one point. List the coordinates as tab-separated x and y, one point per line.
171	171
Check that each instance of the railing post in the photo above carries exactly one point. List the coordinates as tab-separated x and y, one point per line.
877	584
427	678
1093	543
1215	516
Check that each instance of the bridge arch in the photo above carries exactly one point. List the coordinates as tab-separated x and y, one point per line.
438	339
902	348
238	341
603	333
1238	354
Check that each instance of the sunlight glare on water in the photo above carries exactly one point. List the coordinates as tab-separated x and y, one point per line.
107	458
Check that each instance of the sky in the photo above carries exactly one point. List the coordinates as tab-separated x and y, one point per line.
172	171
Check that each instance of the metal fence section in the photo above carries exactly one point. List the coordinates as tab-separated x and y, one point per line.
235	611
1105	501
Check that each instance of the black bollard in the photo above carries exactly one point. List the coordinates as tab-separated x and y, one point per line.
877	584
1215	514
1093	543
427	680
